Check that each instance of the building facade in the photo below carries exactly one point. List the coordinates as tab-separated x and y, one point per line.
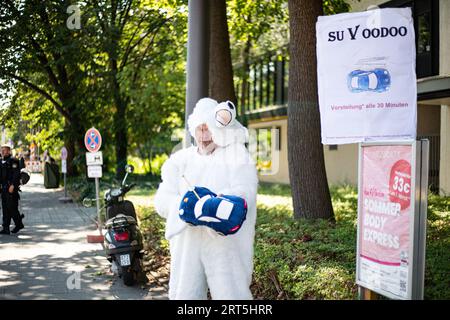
264	101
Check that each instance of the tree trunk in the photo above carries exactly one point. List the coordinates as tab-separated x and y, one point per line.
70	146
74	142
73	132
245	83
308	179
221	85
120	124
120	136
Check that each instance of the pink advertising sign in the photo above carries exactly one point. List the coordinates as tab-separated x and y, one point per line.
385	214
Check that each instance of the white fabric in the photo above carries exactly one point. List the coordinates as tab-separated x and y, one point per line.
352	41
233	133
202	113
201	258
205	111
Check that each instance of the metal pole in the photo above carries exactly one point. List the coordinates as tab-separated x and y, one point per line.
65	188
420	222
65	199
98	205
197	67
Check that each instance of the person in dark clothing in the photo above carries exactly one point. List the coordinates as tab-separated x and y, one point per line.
10	182
22	163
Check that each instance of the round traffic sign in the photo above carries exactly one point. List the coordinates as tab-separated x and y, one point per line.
63	153
92	140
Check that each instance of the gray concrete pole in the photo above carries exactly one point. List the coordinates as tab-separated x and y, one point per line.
97	199
197	57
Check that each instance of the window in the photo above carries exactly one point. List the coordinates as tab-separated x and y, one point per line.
332	147
265	148
424	33
426	26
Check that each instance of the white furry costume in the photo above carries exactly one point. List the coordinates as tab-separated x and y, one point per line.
200	258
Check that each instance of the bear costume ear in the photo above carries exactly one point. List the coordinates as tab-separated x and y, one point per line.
231	105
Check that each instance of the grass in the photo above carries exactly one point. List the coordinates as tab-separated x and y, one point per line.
315	259
304	259
309	259
157	257
437	269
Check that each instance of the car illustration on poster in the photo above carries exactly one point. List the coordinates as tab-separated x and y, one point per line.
377	80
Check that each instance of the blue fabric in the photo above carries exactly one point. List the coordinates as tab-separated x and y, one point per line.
222	226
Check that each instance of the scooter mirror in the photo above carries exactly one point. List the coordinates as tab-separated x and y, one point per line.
129	168
87	202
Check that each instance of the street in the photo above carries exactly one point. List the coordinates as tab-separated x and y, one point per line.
51	258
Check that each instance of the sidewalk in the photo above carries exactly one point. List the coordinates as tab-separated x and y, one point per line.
51	259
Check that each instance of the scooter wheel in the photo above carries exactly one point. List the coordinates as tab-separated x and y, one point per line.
128	276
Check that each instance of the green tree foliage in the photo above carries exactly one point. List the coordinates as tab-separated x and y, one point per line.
122	72
39	52
335	6
261	28
264	25
28	113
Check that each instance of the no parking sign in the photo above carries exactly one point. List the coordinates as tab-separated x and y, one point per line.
93	140
93	143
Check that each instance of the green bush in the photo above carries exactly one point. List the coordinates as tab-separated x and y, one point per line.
80	188
315	259
157	163
154	227
140	165
437	264
302	259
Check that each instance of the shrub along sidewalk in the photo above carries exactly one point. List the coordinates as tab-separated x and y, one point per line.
316	259
310	259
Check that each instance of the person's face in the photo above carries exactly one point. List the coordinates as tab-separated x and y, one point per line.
203	138
6	152
202	134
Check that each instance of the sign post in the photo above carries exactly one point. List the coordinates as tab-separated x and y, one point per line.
367	88
366	75
392	205
94	161
65	199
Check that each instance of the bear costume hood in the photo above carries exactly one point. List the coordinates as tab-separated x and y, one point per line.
223	134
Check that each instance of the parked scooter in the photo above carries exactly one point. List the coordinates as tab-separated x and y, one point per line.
123	239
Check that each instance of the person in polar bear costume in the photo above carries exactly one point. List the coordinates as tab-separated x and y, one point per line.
200	257
227	130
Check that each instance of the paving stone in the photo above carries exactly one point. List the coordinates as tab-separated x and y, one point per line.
37	262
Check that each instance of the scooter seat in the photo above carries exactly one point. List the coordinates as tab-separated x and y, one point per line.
119	220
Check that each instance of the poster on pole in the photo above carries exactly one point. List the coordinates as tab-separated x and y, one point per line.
366	76
389	250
